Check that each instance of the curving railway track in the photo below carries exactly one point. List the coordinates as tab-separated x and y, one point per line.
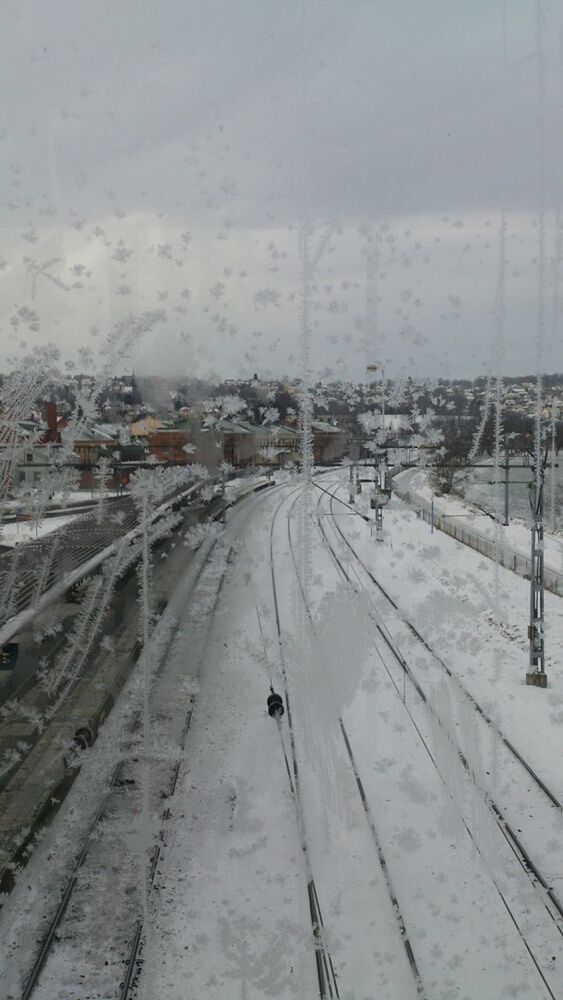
548	898
399	671
119	781
524	856
326	974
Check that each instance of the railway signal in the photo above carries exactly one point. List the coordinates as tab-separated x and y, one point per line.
8	656
275	705
536	629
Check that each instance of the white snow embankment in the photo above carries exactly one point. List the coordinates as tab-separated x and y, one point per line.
471	526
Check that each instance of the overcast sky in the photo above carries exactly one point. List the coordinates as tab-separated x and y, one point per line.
162	156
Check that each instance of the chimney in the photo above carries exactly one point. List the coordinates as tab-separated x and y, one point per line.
50	418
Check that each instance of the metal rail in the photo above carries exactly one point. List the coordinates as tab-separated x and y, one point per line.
383	863
126	556
47	941
133	964
326	974
134	961
71	555
367	810
513	842
487	718
520	852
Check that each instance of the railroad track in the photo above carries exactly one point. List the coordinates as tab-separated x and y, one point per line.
52	719
34	711
477	706
398	914
30	570
525	859
50	935
135	958
554	908
326	974
47	942
134	961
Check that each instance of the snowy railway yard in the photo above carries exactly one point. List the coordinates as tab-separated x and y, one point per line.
281	501
397	833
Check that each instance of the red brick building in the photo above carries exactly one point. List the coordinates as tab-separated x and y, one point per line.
169	445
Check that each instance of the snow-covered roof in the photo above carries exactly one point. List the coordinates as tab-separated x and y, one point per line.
276	430
231	427
94	433
114	430
320	425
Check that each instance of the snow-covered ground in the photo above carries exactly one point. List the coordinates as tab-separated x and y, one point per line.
515	536
62	498
230	912
15	532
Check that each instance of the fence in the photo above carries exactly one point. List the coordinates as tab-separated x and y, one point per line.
32	571
506	556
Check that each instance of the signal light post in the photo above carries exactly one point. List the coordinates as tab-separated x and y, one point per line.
536	629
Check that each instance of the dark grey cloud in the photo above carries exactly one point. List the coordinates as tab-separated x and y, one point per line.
144	120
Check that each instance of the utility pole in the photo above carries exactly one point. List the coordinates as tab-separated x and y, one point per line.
506	475
223	518
382	492
536	629
377	503
379	523
554	418
351	498
380	497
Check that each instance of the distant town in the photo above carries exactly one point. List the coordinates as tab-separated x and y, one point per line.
139	421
